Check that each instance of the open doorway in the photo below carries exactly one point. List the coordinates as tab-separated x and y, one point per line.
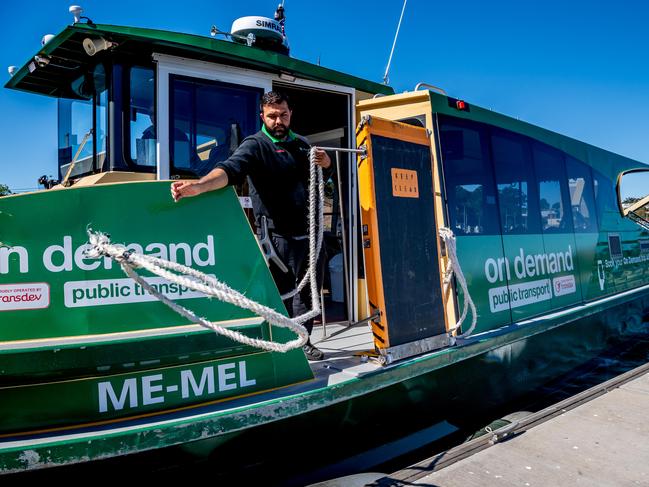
323	117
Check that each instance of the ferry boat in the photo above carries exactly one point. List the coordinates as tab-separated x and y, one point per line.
93	366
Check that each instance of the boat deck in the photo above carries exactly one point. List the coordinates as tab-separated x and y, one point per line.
344	348
602	441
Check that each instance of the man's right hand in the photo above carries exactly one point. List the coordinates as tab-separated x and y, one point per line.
184	189
216	179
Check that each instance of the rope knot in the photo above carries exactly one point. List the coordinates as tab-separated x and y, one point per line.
125	256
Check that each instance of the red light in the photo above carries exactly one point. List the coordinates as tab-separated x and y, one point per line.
460	105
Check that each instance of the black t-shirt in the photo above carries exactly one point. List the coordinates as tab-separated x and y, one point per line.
278	175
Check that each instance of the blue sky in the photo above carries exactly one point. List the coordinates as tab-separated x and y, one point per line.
579	68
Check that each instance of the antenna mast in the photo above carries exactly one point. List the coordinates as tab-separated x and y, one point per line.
387	69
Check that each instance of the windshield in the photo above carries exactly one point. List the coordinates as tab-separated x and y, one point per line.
80	117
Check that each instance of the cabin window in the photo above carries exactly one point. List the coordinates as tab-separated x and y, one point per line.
82	124
208	121
582	199
468	177
515	183
606	201
142	128
553	189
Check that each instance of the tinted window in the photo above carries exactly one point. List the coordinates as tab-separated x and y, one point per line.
142	117
606	201
553	189
582	199
515	183
468	178
208	121
83	125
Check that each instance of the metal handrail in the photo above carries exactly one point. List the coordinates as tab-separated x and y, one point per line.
431	87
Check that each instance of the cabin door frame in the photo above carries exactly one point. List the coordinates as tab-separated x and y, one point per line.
171	65
167	65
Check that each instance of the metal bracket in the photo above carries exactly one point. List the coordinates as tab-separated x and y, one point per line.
267	247
418	347
365	120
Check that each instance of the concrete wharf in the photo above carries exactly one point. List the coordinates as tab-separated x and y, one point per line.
599	437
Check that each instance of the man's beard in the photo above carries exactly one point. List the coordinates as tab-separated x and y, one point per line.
279	132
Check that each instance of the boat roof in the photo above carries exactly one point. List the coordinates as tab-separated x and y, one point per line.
68	58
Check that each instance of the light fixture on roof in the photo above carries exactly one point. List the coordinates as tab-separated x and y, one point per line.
41	60
76	10
12	70
46	38
93	46
248	39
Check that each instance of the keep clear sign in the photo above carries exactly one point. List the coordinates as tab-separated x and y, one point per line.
528	266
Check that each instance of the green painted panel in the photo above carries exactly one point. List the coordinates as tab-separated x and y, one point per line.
632	266
530	288
72	296
592	271
66	362
479	254
24	408
561	251
48	290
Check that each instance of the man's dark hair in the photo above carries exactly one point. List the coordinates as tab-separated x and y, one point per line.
274	98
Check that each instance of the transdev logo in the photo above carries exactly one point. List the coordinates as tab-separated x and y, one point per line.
33	295
564	285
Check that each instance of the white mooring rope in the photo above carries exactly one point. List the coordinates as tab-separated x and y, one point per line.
454	268
129	260
100	245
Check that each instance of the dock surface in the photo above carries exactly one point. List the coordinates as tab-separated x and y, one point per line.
601	442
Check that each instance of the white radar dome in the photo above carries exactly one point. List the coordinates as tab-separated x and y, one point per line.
262	27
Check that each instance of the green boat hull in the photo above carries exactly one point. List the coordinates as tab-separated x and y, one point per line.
346	421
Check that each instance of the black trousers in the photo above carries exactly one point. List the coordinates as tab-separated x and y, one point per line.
295	255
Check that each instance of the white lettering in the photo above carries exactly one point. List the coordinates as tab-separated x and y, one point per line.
224	376
561	261
187	379
65	250
160	254
243	376
541	261
569	262
529	265
209	247
129	391
148	389
80	261
59	258
525	266
491	270
23	259
519	260
173	252
135	247
501	263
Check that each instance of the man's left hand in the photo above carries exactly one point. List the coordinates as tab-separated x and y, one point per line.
322	159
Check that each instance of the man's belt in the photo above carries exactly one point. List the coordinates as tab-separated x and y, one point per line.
267	246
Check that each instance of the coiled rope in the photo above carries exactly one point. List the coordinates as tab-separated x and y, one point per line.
454	268
100	245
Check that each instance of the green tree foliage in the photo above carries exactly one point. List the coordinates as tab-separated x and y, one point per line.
630	200
4	190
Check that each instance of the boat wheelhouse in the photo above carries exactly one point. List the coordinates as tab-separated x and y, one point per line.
539	236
